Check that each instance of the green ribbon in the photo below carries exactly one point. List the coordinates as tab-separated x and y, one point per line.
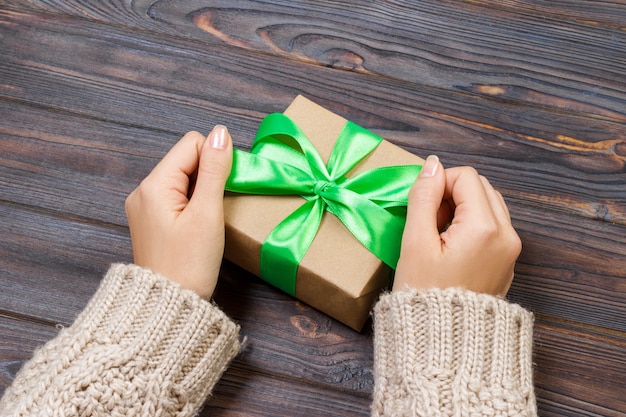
371	204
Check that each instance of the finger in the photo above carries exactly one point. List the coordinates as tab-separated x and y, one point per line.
183	157
496	201
467	192
214	169
425	198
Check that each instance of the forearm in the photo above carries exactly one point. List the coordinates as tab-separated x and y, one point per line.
141	344
452	353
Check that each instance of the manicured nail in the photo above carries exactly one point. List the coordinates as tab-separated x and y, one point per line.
430	166
217	137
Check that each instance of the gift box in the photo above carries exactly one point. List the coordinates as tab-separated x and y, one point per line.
337	226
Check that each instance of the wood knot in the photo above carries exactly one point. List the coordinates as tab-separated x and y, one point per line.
343	59
305	325
491	90
603	212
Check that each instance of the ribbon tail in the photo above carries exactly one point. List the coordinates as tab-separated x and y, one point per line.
287	244
376	228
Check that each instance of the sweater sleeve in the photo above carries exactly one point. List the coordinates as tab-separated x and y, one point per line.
142	346
452	353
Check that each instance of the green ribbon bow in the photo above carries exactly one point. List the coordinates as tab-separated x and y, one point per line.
371	204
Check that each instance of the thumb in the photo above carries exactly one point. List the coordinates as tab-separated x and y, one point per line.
213	169
425	199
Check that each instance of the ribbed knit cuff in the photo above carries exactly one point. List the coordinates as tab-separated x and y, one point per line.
143	344
452	353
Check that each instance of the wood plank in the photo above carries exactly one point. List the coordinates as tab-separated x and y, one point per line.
525	54
563	169
590	13
242	392
579	370
570	268
71	164
52	265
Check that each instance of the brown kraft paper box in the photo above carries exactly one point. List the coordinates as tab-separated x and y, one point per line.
338	275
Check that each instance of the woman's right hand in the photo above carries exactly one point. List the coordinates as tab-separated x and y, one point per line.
458	233
176	215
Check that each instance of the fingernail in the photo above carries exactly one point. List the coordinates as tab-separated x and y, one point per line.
217	137
430	166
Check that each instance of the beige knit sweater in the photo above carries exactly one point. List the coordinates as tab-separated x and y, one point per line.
452	353
145	347
142	347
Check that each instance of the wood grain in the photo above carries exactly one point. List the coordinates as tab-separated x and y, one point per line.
19	339
272	396
560	167
427	42
52	265
579	368
532	93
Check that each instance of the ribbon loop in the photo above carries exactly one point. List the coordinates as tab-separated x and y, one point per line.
282	161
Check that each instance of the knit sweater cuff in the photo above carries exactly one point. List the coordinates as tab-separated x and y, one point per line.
142	344
452	353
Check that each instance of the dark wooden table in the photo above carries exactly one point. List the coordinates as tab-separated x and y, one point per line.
531	93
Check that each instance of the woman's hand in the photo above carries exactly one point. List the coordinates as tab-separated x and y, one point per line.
176	215
458	234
